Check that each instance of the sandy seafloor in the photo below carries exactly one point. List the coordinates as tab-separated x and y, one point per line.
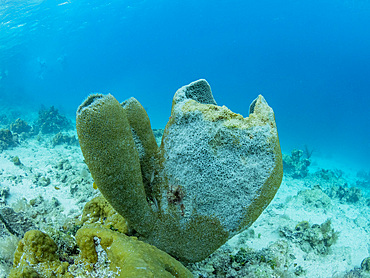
59	175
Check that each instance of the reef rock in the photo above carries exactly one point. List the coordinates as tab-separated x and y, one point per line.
295	165
20	126
51	121
7	139
16	223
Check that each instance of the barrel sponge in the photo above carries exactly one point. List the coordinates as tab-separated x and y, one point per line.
213	175
144	140
132	257
227	165
199	90
109	150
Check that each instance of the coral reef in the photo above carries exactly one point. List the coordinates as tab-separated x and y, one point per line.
20	126
4	120
360	272
316	238
7	139
131	257
365	264
61	138
345	194
4	193
213	175
8	245
273	261
328	175
158	134
51	121
295	165
363	179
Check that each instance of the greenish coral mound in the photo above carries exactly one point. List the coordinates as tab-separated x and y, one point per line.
98	210
103	253
36	257
213	175
128	256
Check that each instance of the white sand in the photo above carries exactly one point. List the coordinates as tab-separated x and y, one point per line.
40	158
351	220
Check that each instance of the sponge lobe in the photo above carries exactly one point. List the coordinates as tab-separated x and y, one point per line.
220	169
222	161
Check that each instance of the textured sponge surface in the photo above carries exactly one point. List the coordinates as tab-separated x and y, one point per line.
213	175
221	159
220	169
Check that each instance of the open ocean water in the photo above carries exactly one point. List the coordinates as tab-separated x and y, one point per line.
309	59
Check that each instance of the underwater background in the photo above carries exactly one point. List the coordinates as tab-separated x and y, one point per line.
309	59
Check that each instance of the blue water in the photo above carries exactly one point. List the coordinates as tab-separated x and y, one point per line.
310	60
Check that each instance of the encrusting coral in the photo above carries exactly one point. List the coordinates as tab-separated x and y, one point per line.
104	253
213	175
36	253
128	256
99	211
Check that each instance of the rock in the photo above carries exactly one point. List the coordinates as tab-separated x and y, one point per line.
317	238
16	223
16	161
4	193
313	198
61	138
40	180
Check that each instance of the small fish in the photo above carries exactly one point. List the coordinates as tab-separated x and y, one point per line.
155	203
95	186
152	177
